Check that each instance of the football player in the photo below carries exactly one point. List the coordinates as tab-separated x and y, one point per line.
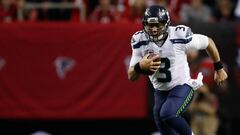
168	69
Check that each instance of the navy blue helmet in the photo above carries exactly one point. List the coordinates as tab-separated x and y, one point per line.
155	22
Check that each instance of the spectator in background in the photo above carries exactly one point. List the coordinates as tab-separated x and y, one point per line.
210	3
62	14
196	11
203	64
105	12
8	10
91	5
123	8
77	15
171	6
31	15
158	2
122	5
224	11
47	13
203	112
136	11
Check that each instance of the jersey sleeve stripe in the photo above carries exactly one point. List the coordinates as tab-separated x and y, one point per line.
181	41
139	44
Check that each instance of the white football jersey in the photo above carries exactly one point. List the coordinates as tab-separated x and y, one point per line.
174	69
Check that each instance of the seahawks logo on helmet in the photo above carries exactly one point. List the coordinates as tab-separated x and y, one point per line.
63	65
161	14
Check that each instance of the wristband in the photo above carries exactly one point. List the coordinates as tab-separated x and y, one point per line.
138	69
217	65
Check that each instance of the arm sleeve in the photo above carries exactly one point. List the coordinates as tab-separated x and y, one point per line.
136	57
199	42
136	52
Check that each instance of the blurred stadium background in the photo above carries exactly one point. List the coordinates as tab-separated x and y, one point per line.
63	67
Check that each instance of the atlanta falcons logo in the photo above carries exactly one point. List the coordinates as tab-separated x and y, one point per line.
63	65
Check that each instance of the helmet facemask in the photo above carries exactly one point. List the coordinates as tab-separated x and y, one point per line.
155	22
156	30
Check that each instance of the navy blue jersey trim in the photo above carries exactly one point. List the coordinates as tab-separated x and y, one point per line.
181	41
139	44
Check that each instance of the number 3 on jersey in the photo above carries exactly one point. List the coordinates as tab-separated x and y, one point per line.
165	70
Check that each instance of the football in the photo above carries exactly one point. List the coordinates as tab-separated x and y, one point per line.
156	60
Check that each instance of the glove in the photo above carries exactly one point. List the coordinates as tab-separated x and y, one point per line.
196	83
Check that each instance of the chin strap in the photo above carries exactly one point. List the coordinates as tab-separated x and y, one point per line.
157	38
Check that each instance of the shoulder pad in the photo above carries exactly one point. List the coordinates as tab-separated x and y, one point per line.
138	39
180	32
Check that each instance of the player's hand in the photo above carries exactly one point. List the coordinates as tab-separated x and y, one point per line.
196	83
220	76
150	64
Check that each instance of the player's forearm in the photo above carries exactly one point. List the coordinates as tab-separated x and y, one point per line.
132	75
212	51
